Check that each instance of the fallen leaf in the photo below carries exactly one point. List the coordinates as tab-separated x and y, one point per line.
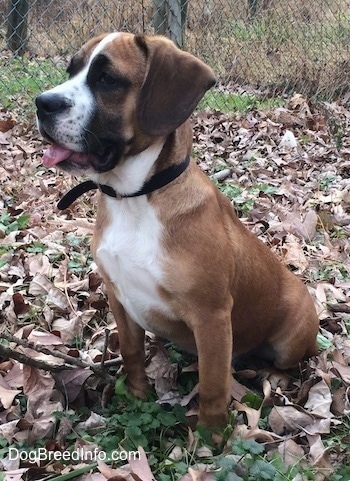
7	396
291	452
289	419
140	466
319	400
71	382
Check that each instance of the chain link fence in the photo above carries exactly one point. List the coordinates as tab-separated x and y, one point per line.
261	47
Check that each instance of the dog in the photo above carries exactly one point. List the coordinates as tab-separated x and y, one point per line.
173	255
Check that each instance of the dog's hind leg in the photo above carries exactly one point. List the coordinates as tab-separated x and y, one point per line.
214	349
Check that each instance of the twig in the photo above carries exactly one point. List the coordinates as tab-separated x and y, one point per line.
111	362
7	352
105	346
65	263
44	350
72	361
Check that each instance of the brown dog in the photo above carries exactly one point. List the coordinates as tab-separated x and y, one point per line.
174	257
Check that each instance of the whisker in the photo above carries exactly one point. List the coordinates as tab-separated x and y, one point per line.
93	135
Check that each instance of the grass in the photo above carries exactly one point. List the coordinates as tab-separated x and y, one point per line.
130	421
226	102
288	46
24	78
244	198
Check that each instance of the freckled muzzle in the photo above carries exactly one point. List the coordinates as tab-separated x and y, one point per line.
53	112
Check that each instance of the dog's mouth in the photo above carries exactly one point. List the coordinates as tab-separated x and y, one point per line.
57	154
71	160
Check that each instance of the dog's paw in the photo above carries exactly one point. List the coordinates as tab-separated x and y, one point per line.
138	388
277	378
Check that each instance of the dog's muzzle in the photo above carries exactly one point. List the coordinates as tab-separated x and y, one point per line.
73	145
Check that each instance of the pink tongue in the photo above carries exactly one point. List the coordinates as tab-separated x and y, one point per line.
56	154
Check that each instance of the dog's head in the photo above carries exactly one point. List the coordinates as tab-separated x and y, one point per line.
123	92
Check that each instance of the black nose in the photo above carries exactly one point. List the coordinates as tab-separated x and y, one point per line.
51	103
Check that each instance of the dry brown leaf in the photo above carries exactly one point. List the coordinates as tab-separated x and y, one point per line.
320	400
67	328
93	421
96	477
44	338
238	390
7	396
162	372
294	254
40	264
140	466
15	474
71	382
14	376
196	475
8	430
43	426
289	419
318	453
342	370
338	402
251	430
120	474
38	386
291	452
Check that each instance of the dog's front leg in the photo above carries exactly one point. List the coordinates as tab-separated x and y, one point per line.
132	347
213	336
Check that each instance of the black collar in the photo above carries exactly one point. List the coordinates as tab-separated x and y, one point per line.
158	180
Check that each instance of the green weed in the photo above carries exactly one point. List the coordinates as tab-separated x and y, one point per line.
244	198
80	257
10	224
23	78
226	102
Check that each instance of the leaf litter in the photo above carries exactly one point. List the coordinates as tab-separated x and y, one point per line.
288	173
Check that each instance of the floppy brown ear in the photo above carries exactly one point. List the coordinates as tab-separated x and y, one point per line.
174	84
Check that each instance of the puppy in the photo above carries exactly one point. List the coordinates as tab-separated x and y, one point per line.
174	257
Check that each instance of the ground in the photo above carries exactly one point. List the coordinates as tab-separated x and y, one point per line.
287	171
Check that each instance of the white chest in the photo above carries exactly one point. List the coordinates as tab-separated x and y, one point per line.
131	254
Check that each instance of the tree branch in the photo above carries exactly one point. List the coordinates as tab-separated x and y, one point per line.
70	361
8	353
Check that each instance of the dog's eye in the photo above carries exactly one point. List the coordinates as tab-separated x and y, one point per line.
107	79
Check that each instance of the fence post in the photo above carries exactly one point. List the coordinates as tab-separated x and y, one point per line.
17	25
169	18
175	24
159	17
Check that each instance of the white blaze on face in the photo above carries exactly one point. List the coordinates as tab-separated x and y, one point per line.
71	124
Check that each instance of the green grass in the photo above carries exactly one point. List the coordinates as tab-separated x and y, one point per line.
131	422
280	51
244	198
23	78
226	102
